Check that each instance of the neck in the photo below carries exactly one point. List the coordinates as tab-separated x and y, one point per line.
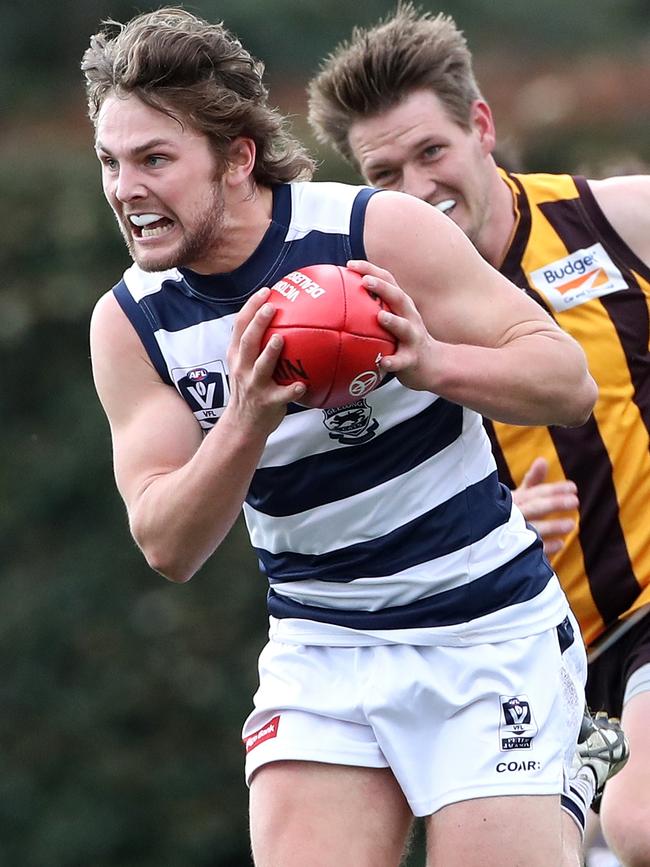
496	237
247	215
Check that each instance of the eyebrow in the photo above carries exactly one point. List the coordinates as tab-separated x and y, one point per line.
146	146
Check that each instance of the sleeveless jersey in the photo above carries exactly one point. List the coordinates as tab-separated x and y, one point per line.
382	520
567	256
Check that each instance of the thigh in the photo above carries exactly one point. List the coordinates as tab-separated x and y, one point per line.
625	799
323	815
520	831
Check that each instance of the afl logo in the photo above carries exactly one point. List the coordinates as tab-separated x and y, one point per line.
363	383
197	375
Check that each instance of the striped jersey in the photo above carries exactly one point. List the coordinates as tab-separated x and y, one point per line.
567	256
382	520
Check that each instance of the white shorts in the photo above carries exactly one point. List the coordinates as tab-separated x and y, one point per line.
452	723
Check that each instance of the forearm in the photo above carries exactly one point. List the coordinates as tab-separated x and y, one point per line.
179	518
537	379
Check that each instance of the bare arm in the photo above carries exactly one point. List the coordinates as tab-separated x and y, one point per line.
625	201
466	332
184	491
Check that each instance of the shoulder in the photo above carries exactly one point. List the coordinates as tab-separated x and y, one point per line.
614	193
105	313
399	224
110	329
625	202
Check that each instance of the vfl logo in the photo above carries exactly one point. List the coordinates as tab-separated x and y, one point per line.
577	278
352	424
205	389
517	726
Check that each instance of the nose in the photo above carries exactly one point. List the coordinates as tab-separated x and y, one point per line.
417	181
128	185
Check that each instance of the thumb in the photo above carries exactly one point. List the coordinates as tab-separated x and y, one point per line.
536	473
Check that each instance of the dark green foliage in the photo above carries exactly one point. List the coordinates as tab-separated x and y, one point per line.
122	694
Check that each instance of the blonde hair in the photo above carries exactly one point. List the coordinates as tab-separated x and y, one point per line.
378	66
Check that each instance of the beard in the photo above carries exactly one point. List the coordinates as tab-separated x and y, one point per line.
201	239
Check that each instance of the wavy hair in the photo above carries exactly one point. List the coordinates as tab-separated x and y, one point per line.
199	74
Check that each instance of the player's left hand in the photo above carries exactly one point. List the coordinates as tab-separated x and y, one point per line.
538	499
415	356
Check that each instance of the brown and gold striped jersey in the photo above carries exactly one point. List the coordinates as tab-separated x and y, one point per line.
567	257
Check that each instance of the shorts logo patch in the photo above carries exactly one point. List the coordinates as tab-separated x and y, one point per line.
268	731
517	726
578	277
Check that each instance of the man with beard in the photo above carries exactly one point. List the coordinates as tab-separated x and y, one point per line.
401	103
412	612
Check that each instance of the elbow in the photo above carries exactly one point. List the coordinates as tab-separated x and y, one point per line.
582	403
176	571
161	556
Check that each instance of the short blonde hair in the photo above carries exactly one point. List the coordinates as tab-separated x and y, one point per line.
378	66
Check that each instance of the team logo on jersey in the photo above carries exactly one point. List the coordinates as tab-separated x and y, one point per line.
351	424
578	277
517	726
268	731
205	389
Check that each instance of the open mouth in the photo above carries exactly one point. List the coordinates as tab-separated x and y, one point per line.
446	205
149	225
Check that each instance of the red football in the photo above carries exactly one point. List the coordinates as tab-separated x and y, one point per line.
332	339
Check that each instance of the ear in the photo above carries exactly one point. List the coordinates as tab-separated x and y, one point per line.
240	160
483	124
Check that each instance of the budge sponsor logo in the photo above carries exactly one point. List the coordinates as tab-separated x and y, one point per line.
578	277
579	265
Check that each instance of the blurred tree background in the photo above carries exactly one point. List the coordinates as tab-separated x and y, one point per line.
123	695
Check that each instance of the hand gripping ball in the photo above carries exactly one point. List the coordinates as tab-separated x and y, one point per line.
332	339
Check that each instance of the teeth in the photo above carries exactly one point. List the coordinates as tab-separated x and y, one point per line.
144	219
445	206
157	230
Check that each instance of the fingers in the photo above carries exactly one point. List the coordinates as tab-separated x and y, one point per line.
552	546
552	533
252	334
362	266
248	311
382	283
251	367
536	473
265	362
554	527
538	501
264	367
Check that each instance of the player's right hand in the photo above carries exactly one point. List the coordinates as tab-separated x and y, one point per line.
254	394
